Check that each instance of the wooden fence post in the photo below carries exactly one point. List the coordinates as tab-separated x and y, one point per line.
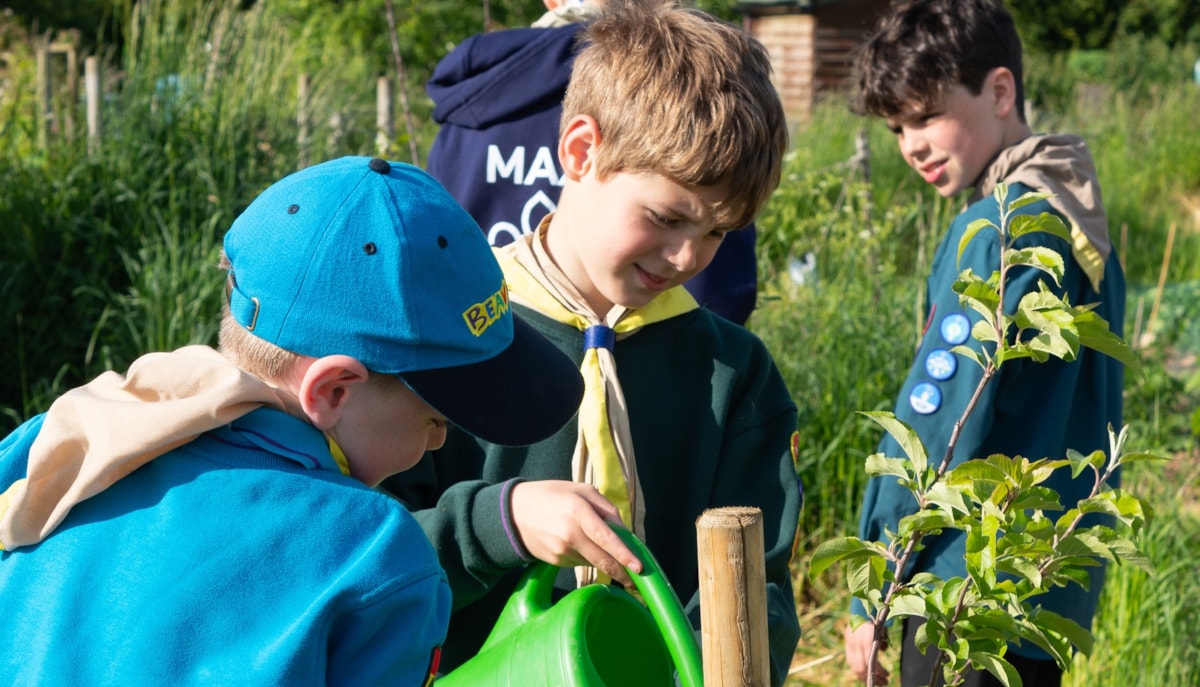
45	91
93	87
72	86
385	128
733	597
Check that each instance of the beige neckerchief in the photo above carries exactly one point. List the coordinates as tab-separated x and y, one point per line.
96	434
1060	164
604	455
562	16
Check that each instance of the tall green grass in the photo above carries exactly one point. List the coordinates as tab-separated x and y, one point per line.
109	254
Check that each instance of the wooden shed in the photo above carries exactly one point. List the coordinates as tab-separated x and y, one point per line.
811	43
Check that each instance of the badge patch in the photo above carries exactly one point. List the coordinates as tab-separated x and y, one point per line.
955	328
941	364
925	398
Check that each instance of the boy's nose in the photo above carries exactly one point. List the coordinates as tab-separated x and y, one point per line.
682	255
912	143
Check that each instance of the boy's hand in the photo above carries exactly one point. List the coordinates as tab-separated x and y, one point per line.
858	651
565	524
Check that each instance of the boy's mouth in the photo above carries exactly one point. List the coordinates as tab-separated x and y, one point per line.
652	281
931	173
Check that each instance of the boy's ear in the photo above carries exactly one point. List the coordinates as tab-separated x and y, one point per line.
577	146
1003	87
326	385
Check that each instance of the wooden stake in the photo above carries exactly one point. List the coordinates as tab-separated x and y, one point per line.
93	86
1162	280
733	597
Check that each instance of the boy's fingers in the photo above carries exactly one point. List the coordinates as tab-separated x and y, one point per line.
610	554
608	540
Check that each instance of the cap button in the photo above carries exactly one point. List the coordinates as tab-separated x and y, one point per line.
380	166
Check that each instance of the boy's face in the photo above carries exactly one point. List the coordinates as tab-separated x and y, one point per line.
386	428
627	238
952	143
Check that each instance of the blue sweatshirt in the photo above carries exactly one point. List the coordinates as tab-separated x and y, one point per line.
242	558
498	99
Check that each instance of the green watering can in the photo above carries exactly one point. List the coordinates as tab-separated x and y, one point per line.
595	636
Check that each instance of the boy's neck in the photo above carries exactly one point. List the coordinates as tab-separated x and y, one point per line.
551	234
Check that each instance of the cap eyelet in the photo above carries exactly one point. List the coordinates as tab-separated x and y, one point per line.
442	242
293	209
369	249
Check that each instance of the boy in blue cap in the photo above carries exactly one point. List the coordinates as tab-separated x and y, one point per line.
498	99
947	77
211	517
672	137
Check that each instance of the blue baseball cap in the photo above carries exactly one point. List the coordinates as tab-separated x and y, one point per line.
376	260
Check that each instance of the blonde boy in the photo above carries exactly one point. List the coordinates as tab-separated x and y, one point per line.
671	136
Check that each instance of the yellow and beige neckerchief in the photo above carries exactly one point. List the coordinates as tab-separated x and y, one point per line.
604	455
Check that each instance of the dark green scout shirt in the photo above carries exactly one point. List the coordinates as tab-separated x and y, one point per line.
1030	409
711	421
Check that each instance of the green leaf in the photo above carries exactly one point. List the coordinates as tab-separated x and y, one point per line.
1142	457
1001	669
1099	504
925	521
864	574
947	496
1095	334
1045	259
1028	199
1080	462
980	553
980	296
1052	622
972	229
834	550
905	436
1043	498
972	354
1046	222
1024	567
908	603
879	464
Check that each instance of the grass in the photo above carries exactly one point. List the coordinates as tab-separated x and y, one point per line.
107	255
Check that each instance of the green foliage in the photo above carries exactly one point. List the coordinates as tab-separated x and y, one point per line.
1096	24
111	253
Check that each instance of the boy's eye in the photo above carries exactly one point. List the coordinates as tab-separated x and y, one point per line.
663	220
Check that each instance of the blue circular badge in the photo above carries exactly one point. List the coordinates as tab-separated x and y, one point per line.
925	398
956	328
941	364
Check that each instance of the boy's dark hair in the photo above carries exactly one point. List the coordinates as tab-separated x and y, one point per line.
923	48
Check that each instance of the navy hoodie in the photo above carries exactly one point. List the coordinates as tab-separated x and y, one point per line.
498	99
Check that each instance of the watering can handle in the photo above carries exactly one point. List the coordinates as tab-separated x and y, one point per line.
668	613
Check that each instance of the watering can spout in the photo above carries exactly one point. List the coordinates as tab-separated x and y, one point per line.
595	636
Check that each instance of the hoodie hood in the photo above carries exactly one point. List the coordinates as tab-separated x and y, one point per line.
1062	165
473	86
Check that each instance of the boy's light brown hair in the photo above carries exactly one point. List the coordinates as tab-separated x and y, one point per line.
260	358
678	92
